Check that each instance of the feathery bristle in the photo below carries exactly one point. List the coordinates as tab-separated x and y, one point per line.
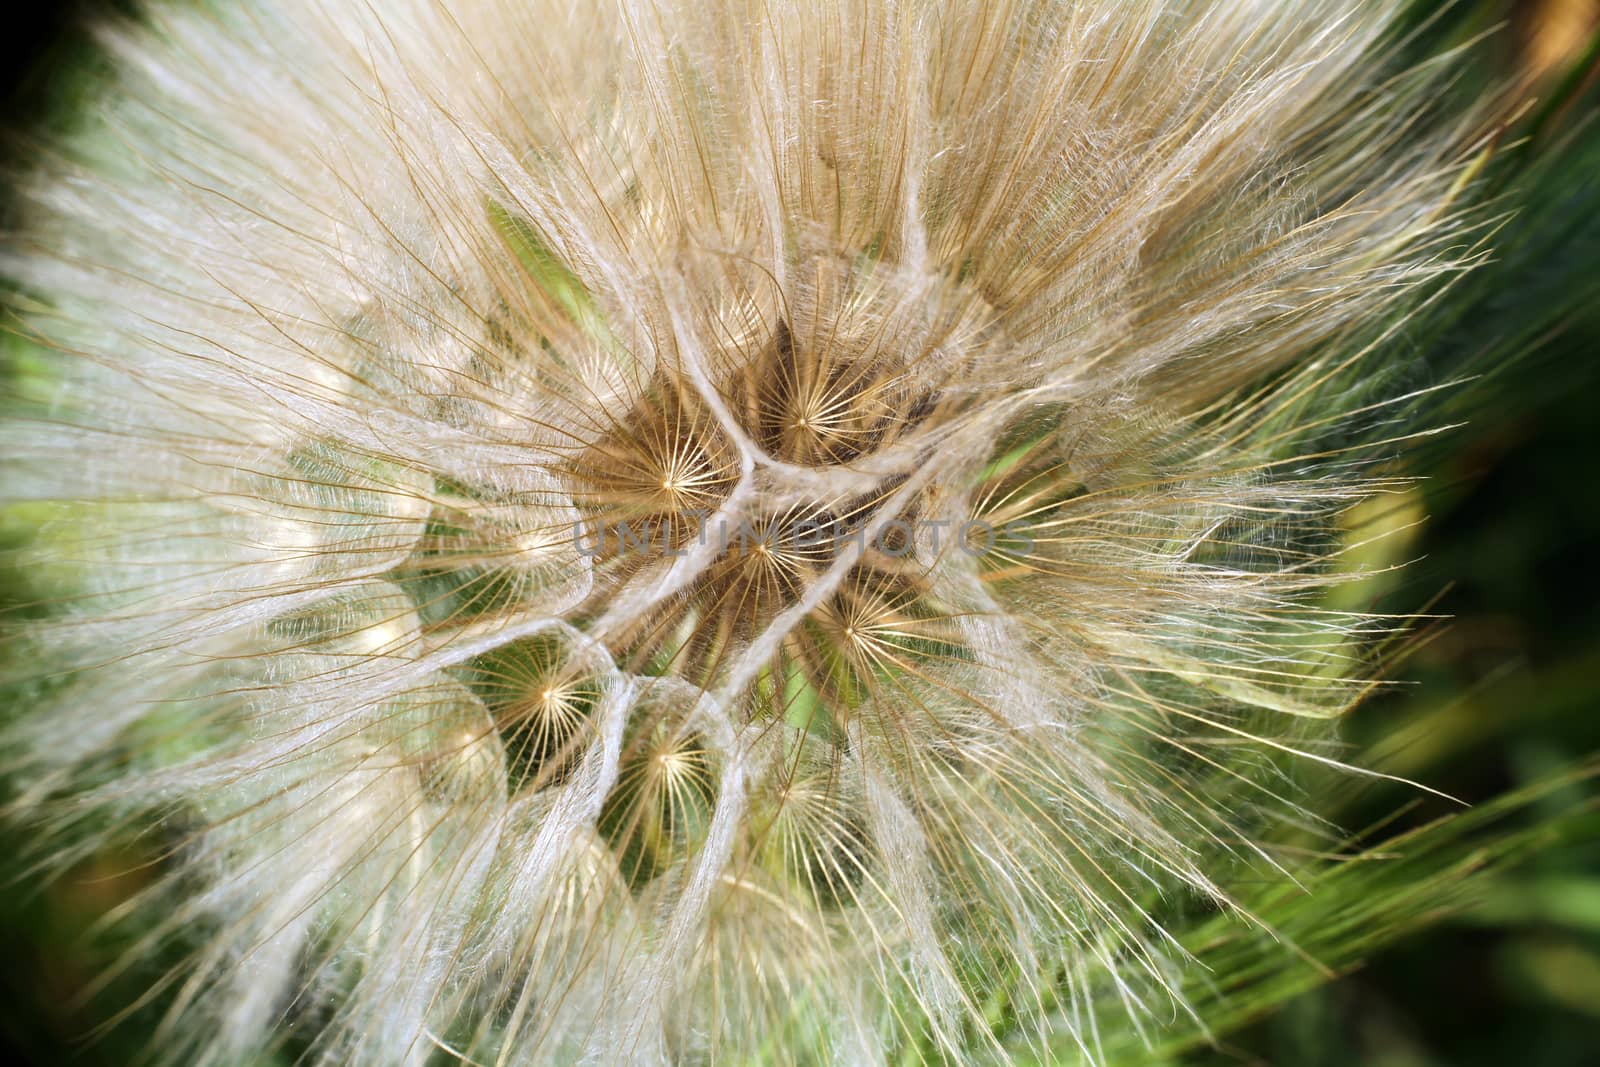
710	532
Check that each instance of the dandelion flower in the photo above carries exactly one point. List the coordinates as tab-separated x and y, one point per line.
707	532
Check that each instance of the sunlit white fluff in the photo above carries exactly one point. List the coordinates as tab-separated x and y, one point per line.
361	314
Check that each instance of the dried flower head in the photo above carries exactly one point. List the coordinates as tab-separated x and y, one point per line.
707	532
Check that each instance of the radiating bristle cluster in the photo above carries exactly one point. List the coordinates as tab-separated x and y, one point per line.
707	532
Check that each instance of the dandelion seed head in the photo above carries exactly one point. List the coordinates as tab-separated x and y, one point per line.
707	532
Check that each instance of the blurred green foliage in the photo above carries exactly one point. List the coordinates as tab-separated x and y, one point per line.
1506	690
